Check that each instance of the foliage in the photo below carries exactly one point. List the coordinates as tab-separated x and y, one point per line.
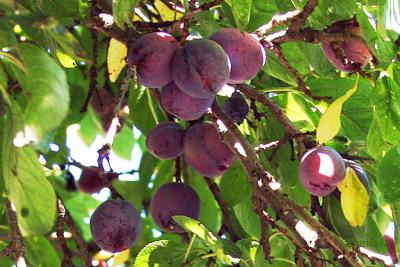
53	56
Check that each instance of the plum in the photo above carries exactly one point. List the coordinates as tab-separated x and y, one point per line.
165	141
152	55
200	68
115	225
174	199
321	169
245	53
90	181
182	105
355	51
236	107
205	152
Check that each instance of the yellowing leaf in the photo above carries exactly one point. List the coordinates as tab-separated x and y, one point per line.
102	255
121	258
354	198
166	13
66	60
329	124
116	59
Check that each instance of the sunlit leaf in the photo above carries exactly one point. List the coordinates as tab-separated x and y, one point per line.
116	58
66	60
121	258
354	198
329	124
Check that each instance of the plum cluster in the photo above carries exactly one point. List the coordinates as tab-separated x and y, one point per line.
200	144
322	168
190	76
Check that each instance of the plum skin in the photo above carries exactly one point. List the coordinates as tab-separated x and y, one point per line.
182	105
115	225
320	170
236	107
205	152
356	51
174	199
200	68
165	141
152	55
245	53
90	181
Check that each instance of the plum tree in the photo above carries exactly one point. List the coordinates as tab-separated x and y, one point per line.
174	199
115	225
200	68
90	181
205	152
182	105
245	53
152	55
356	53
165	141
320	170
236	107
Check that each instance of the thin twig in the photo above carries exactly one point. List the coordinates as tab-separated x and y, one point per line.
66	261
76	235
298	21
227	222
15	235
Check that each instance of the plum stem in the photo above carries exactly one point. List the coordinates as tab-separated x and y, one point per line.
185	258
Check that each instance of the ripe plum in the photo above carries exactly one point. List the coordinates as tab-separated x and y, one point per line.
245	53
165	141
200	68
205	152
182	105
174	199
115	225
321	169
152	55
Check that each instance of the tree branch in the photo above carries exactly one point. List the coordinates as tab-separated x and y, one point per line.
15	235
81	244
266	187
66	261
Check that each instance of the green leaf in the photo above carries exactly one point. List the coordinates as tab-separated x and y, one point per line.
162	253
376	145
327	12
388	177
31	193
7	37
214	242
274	68
354	198
210	212
143	258
123	143
316	58
234	185
241	10
46	84
40	252
131	191
247	218
123	11
386	101
329	124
